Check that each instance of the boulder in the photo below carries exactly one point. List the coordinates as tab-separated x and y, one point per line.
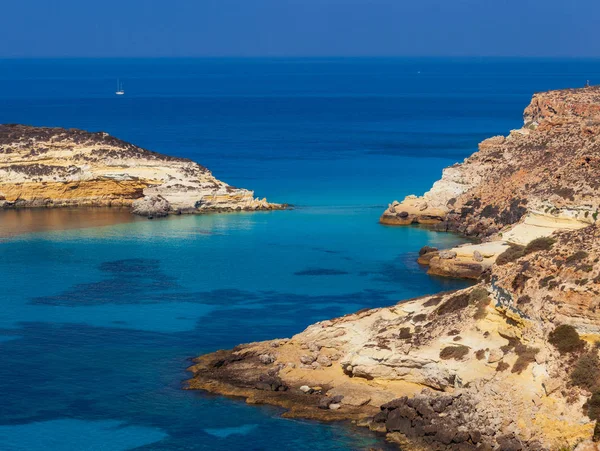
151	207
307	359
323	360
397	423
495	355
509	443
266	359
427	249
447	255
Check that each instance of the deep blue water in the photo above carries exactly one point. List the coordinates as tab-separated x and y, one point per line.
97	324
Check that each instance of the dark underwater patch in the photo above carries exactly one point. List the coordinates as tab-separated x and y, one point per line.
129	281
321	272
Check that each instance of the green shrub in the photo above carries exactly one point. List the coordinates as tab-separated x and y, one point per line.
455	303
525	299
432	301
481	298
420	318
593	406
502	366
510	255
566	339
586	371
404	333
480	354
545	281
526	355
454	352
519	281
512	344
576	257
539	244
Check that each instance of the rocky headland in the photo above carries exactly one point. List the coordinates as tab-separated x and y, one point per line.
56	167
510	363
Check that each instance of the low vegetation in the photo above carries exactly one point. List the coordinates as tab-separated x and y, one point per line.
435	300
455	303
454	352
405	333
510	255
586	371
539	244
566	339
479	296
526	355
502	366
593	406
576	257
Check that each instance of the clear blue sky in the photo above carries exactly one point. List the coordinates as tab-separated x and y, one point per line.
113	28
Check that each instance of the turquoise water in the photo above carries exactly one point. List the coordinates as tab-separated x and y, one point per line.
98	324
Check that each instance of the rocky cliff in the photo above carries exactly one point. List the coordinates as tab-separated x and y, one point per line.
548	167
509	364
55	167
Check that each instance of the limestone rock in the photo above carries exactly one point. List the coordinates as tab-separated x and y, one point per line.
495	355
151	206
323	360
56	167
307	359
447	255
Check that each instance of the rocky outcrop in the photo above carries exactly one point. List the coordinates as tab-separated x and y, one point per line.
55	167
469	261
458	370
151	206
548	168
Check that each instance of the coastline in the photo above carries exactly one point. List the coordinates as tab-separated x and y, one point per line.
433	372
45	167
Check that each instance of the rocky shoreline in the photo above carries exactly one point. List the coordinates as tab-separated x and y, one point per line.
43	167
509	364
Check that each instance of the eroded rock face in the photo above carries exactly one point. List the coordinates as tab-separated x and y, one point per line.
450	362
550	166
560	285
55	167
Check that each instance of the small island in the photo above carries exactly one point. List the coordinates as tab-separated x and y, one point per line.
54	167
510	363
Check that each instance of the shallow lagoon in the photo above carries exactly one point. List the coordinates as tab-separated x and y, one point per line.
99	322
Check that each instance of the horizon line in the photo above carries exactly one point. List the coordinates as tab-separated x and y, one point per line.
301	57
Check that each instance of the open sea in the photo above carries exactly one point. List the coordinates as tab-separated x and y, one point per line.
100	311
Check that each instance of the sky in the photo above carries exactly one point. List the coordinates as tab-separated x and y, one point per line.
292	28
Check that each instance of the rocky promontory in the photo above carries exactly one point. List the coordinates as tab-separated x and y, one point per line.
56	167
511	363
547	168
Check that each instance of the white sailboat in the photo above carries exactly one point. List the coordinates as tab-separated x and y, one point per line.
120	91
